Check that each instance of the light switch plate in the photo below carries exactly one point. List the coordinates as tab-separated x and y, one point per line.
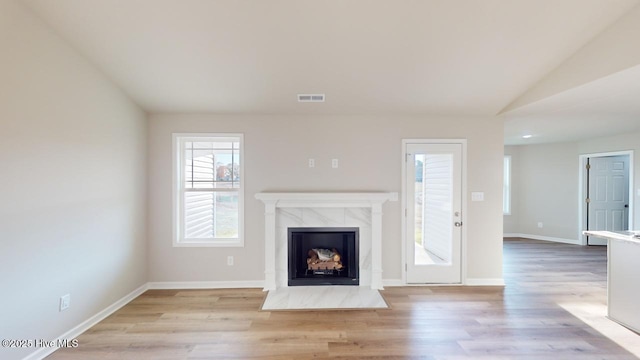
477	196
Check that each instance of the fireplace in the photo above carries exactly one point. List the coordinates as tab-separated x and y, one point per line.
284	210
323	256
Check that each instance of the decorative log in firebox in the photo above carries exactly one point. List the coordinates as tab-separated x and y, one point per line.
324	259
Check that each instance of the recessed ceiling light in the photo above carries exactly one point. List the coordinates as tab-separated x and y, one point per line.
526	136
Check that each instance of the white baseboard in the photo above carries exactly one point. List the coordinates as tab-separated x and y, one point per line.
484	282
546	238
85	325
468	282
392	282
166	285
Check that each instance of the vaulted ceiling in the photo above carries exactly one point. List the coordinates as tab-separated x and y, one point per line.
536	62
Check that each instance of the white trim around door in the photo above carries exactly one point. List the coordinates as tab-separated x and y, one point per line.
404	203
582	192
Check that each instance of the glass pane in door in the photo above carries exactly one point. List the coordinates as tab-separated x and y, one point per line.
433	209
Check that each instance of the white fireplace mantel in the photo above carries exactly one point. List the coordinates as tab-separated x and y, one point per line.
308	200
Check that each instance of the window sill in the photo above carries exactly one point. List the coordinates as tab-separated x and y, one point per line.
210	243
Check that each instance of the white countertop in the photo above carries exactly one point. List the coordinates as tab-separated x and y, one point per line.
628	236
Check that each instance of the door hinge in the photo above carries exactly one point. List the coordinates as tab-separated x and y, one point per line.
587	200
405	267
405	212
407	156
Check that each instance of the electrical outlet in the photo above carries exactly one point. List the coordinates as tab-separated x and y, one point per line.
65	301
540	225
230	260
334	163
312	163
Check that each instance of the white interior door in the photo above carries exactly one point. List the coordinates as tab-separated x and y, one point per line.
434	213
608	195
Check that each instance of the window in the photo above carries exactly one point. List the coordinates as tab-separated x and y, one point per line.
208	190
506	186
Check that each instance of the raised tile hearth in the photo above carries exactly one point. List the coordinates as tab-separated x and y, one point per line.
353	209
324	298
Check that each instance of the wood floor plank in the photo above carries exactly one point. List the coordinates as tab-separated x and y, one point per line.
524	320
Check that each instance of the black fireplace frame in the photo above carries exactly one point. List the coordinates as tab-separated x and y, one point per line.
351	273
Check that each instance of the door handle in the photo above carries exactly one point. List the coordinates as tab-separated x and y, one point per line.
457	223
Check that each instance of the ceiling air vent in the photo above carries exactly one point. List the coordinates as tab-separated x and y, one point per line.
310	97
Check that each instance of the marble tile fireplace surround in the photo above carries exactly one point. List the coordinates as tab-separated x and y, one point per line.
285	210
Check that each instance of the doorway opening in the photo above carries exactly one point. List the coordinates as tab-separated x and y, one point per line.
605	201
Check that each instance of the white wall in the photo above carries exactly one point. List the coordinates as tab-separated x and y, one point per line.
276	153
547	190
546	185
72	185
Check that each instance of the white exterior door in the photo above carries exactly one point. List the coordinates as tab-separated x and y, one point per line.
608	195
434	221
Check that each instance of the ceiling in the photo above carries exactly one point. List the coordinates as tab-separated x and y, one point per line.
449	57
607	106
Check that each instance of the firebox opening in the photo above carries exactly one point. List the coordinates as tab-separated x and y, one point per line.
323	256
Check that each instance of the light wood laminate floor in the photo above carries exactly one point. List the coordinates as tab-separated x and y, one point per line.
524	320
